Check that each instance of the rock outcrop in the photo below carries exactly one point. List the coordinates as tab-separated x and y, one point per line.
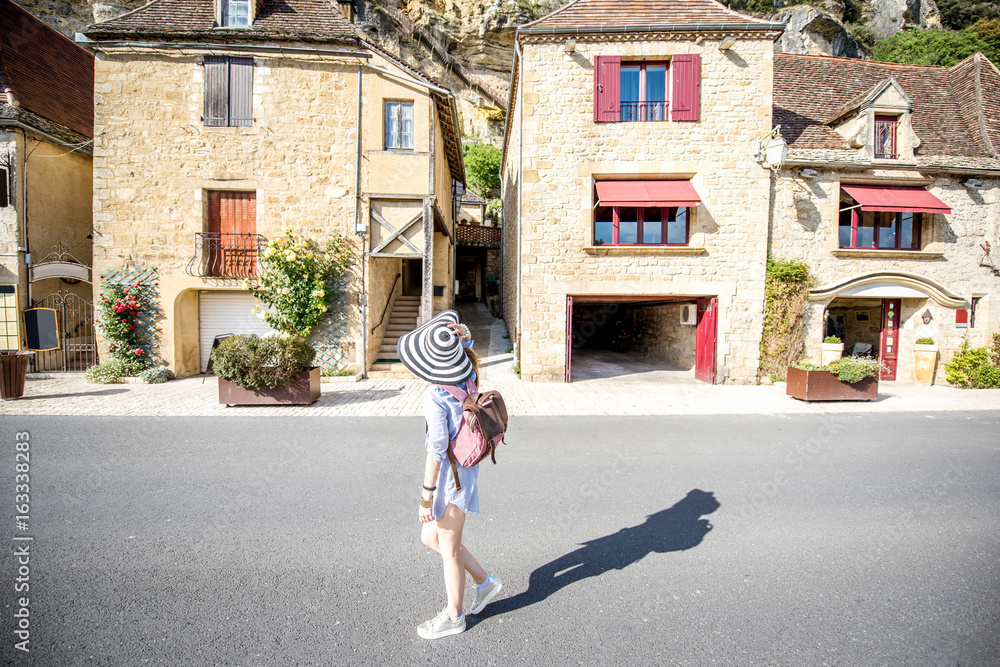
812	31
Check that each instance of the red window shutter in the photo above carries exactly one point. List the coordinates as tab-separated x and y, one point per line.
240	92
216	91
686	87
607	87
961	317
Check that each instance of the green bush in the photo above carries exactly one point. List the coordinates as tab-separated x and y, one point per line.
925	341
975	368
156	375
252	362
110	372
482	166
928	47
958	14
833	340
847	369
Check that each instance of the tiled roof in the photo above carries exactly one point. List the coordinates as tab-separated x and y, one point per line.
976	85
636	16
51	77
808	89
471	197
306	20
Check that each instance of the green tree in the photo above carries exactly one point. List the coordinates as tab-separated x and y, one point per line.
988	31
482	166
959	14
928	47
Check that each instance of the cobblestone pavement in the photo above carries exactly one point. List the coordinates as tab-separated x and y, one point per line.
624	395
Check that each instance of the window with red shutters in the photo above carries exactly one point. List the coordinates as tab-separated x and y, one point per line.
632	91
231	241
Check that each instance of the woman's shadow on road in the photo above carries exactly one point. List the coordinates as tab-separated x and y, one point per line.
674	529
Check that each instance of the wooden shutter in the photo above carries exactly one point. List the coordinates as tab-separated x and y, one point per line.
240	92
607	88
231	244
686	81
216	91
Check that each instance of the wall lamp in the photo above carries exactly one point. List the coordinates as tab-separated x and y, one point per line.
569	46
727	43
772	149
926	317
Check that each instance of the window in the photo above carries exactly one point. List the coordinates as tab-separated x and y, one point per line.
641	225
633	91
231	242
643	92
399	125
972	311
228	91
5	198
235	13
885	137
883	230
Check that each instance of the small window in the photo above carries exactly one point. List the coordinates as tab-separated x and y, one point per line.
235	13
4	188
399	125
972	311
643	92
882	230
228	91
885	137
633	225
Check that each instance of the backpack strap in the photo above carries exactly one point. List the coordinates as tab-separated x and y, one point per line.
454	469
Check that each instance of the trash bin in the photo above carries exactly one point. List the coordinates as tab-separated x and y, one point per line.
13	369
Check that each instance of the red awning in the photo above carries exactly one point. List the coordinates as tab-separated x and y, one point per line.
647	193
896	198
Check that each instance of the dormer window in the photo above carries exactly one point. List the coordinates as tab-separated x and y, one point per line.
235	13
885	137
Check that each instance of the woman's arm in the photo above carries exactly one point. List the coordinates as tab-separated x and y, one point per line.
432	467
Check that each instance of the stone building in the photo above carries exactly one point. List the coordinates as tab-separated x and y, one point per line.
46	126
640	206
635	214
891	194
220	123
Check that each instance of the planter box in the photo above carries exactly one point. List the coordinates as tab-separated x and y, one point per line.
925	363
824	386
831	352
304	390
13	371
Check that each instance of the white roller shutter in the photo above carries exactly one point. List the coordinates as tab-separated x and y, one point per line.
226	313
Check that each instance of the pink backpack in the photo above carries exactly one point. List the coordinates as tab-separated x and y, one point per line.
483	426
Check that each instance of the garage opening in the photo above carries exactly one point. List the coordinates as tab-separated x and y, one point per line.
662	338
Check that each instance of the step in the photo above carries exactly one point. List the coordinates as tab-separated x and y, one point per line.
384	370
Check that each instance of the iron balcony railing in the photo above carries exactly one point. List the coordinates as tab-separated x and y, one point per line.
219	255
639	111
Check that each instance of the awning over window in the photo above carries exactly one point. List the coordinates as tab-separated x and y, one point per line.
647	193
896	198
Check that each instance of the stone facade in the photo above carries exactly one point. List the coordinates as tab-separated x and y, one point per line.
557	151
155	162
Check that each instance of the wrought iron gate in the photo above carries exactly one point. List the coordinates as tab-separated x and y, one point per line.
76	326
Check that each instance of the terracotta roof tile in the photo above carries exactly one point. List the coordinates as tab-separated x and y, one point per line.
807	89
599	15
306	20
49	75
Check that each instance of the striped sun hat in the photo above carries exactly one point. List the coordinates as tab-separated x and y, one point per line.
433	353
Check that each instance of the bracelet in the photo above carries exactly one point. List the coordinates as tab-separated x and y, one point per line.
426	504
468	334
431	489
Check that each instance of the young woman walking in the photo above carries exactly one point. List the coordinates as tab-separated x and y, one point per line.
440	351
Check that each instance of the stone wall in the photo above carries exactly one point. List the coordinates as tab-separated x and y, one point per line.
564	150
805	227
10	232
660	335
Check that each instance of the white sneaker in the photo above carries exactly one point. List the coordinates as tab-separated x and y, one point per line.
441	626
484	595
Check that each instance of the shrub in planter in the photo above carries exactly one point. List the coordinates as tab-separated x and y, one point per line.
156	375
856	369
832	340
252	362
925	341
109	372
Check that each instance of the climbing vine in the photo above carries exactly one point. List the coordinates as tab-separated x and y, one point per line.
786	290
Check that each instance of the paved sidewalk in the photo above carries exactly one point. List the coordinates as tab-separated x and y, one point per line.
624	395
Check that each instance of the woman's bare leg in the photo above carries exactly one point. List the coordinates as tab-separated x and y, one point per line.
457	559
429	536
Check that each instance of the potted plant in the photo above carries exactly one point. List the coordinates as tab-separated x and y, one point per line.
833	348
926	353
275	370
845	379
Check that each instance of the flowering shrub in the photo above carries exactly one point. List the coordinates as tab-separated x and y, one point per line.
847	369
110	372
119	308
252	362
156	375
299	281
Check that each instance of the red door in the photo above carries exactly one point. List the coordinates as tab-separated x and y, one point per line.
889	351
704	355
569	335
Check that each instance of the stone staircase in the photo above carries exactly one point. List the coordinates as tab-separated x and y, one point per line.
403	318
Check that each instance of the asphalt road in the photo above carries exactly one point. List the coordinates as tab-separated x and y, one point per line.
765	540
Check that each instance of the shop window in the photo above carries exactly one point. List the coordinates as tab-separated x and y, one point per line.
880	230
635	225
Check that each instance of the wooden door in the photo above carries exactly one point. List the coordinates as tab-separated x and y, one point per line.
569	336
889	349
705	347
232	234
